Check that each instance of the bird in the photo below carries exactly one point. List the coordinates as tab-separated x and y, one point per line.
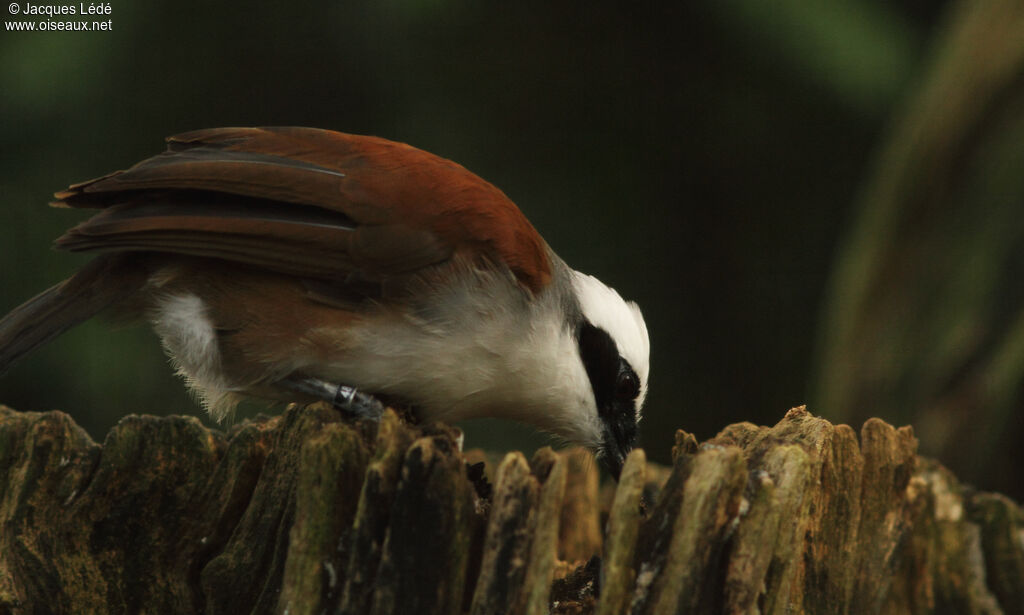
296	264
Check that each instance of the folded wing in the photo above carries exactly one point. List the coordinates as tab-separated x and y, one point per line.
307	202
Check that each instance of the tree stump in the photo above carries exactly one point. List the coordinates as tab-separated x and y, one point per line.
306	513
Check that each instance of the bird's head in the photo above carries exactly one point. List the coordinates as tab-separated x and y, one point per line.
615	352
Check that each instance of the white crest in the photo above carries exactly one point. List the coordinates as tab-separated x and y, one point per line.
604	308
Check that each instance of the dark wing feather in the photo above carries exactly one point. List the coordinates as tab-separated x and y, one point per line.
252	174
305	201
284	237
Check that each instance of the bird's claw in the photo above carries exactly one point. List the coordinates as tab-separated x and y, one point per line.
357	404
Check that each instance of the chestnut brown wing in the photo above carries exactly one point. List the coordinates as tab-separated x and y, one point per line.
308	202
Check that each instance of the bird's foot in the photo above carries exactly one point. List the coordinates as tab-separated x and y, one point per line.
344	398
356	403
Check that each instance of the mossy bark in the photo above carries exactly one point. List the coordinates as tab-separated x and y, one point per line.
305	513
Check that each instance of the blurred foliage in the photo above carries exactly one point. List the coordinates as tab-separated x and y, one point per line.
858	49
925	319
705	158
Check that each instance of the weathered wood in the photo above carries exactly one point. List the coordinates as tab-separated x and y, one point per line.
305	513
369	529
522	536
579	532
333	464
617	574
424	555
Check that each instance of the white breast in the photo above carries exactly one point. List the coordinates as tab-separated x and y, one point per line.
483	348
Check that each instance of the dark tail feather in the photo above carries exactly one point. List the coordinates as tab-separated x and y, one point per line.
101	283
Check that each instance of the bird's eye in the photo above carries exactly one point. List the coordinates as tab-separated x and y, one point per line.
627	385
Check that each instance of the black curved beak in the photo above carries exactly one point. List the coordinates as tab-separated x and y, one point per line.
620	437
613	462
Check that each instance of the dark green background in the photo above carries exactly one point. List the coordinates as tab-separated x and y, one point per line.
701	157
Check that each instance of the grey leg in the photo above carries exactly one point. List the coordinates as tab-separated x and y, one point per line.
347	399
